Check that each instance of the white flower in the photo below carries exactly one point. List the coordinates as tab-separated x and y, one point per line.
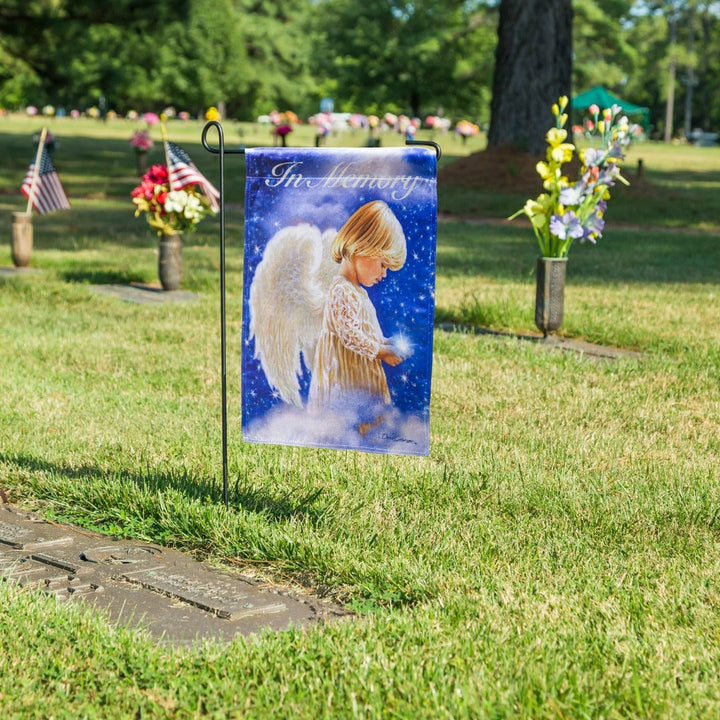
176	201
193	208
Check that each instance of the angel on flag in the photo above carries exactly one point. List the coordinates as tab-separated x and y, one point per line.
328	359
334	324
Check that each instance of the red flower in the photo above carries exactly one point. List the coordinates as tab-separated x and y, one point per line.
157	174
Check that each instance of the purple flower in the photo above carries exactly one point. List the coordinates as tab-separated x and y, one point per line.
566	226
608	174
594	224
574	194
615	151
593	157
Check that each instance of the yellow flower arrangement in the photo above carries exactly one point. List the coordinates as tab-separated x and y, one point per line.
574	210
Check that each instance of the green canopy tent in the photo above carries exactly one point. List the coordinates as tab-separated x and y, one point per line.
604	99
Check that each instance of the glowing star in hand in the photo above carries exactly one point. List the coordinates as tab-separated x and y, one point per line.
401	345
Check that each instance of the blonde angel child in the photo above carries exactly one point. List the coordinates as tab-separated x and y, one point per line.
351	348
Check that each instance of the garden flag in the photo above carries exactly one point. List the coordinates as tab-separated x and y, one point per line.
182	172
42	186
338	299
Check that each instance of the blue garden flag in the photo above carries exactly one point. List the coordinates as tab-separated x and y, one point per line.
339	288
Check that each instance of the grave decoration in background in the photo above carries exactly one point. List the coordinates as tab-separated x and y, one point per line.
174	198
572	210
44	192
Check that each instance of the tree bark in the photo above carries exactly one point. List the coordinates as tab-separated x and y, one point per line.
533	64
670	102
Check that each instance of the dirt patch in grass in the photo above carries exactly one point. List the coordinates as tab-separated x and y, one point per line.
502	169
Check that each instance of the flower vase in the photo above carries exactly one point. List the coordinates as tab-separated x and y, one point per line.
141	158
550	293
170	261
22	239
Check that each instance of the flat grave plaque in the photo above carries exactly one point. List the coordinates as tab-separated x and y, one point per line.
177	599
122	555
215	594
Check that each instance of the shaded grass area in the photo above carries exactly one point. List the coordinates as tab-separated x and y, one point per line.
554	556
640	279
506	251
675	189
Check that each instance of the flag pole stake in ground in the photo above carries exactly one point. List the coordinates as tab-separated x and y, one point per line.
36	170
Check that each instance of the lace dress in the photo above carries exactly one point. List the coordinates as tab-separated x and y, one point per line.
346	357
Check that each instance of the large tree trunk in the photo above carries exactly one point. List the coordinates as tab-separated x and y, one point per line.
672	69
533	64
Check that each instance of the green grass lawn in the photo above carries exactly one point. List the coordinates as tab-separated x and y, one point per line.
556	555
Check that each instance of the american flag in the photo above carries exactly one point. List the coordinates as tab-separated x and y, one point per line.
48	193
182	172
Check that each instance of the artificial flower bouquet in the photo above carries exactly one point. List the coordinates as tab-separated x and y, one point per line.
141	141
168	211
574	210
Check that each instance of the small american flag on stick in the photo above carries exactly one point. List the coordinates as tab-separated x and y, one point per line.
182	172
42	186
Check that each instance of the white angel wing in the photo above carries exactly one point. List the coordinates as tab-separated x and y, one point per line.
287	299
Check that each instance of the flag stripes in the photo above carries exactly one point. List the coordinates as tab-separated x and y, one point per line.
182	172
48	193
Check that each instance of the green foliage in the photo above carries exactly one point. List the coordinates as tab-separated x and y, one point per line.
247	55
602	53
412	58
693	45
252	56
280	45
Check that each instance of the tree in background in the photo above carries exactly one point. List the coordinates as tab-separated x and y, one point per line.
280	49
705	111
69	49
689	53
533	63
602	51
416	58
247	55
196	60
371	56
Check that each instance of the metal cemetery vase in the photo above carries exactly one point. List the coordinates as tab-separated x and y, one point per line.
141	159
550	293
170	262
22	239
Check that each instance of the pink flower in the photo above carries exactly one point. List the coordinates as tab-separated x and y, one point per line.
465	128
594	109
141	141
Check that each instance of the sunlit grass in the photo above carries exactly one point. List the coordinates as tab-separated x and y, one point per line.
554	556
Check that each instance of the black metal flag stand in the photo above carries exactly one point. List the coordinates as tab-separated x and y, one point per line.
221	151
